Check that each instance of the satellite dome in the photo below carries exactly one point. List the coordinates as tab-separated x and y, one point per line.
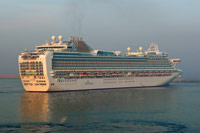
53	38
60	38
140	48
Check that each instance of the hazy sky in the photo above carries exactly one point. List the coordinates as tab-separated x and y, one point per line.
104	24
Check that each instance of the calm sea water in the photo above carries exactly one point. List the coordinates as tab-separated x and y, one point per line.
175	108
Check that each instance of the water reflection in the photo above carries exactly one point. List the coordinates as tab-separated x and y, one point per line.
34	107
101	110
57	107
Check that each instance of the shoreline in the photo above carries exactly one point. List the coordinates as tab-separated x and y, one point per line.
9	76
186	80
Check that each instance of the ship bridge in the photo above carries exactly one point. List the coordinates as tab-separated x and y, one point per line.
74	45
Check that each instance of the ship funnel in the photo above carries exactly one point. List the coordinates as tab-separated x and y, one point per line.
60	39
53	38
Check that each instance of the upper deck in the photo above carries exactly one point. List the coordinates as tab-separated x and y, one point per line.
75	54
75	46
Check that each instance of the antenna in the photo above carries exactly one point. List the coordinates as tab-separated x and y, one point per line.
153	48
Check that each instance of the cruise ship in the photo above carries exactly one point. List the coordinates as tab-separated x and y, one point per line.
73	65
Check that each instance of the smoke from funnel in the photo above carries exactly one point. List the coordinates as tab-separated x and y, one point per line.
75	15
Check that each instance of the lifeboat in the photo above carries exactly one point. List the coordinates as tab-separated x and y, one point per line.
158	73
141	73
151	73
119	73
81	74
129	73
163	73
71	74
99	74
146	73
135	74
113	73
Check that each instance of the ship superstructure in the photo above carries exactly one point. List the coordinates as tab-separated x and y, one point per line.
73	65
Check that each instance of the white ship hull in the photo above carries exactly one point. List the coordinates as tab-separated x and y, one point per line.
105	83
49	83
